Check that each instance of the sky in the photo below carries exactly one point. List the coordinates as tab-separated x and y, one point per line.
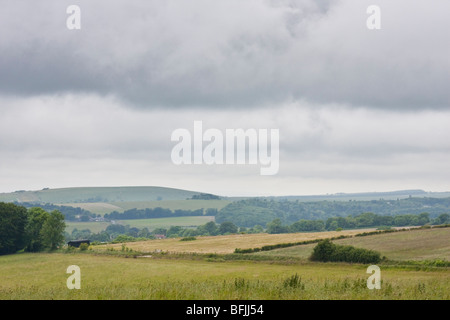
357	109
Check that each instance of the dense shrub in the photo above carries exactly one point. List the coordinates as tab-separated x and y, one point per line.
188	239
328	251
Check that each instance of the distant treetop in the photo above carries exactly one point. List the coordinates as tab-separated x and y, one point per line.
204	196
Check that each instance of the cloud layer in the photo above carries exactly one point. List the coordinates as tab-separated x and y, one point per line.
230	53
357	109
91	141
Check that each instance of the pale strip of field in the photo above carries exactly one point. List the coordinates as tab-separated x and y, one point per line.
94	207
150	224
104	207
166	223
173	204
94	227
227	244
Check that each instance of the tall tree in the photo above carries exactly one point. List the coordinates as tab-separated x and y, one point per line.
53	230
276	227
12	227
227	227
36	220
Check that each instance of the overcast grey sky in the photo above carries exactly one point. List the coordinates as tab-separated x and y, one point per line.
358	110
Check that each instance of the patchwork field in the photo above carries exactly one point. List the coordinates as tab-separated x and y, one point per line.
407	245
109	274
227	244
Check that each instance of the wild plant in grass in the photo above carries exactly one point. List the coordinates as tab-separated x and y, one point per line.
294	281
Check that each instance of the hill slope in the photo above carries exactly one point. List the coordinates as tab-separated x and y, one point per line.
98	194
424	244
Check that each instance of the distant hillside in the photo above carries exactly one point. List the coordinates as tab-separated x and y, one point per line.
98	194
253	211
366	196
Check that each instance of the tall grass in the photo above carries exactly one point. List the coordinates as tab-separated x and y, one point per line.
43	276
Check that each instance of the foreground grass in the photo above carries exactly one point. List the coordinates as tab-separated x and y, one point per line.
43	276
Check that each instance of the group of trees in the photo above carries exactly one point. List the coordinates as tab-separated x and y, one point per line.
253	211
364	220
69	213
326	251
116	232
369	219
31	229
208	229
156	213
204	196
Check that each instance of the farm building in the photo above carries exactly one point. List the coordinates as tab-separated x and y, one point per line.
77	243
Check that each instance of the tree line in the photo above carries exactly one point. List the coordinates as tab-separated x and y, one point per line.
157	212
119	232
69	213
364	220
31	230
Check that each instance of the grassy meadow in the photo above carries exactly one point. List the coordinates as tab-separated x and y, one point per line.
206	269
43	276
90	194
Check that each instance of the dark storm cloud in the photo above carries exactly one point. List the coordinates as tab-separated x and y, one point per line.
230	53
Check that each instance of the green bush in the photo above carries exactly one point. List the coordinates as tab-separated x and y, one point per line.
84	246
188	239
294	281
70	249
328	251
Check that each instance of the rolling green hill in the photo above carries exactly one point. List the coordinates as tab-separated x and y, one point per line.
98	194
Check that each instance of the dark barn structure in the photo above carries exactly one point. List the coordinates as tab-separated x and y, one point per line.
77	243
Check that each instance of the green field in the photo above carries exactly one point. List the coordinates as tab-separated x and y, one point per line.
43	276
151	224
423	244
158	269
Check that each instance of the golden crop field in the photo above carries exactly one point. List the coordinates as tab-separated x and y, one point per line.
227	243
421	244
